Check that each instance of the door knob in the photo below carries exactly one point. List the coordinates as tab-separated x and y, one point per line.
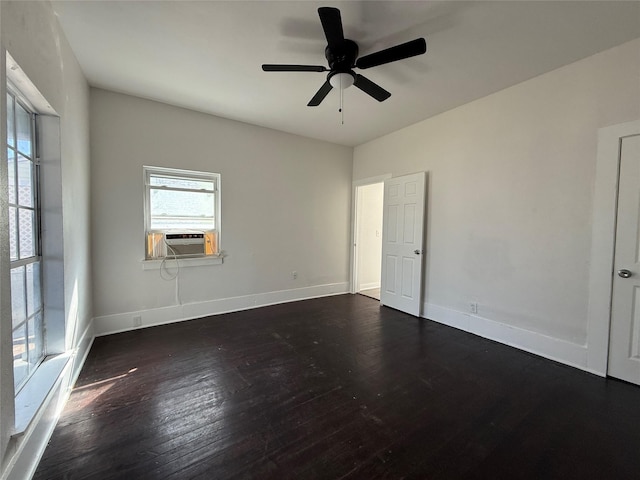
417	252
624	273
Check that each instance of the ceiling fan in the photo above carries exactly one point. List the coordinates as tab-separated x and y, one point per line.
342	55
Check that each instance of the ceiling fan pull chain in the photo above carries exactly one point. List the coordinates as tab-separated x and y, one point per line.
341	102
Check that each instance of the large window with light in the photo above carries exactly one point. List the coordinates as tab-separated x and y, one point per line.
24	240
182	213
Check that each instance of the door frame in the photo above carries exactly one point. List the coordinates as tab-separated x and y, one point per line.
353	274
603	243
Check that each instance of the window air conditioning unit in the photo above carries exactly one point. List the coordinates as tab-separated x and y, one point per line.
185	244
181	244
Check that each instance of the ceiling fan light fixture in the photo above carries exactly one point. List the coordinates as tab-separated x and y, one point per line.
341	80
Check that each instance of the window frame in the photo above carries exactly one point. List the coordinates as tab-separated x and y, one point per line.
36	258
150	171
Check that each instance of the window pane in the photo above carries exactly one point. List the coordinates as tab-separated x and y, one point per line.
18	306
25	182
35	346
13	234
27	231
10	126
175	223
23	120
20	365
11	167
181	183
34	297
172	209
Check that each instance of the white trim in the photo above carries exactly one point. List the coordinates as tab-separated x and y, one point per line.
24	461
552	348
170	262
369	286
28	92
371	180
353	274
355	226
80	354
53	255
37	389
603	242
30	447
122	322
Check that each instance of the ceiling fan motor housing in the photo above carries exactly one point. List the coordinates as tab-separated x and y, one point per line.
343	58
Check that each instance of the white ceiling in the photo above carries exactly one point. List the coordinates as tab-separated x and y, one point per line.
207	55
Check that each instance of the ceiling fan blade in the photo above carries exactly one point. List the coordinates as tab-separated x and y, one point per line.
320	94
332	26
370	88
399	52
293	68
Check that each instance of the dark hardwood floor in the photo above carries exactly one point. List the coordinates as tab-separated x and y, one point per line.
336	388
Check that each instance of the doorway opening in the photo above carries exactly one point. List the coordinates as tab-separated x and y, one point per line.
367	252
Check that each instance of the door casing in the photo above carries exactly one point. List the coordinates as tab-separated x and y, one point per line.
353	277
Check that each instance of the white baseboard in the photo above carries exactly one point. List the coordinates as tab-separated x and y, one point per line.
369	286
122	322
80	355
29	447
562	351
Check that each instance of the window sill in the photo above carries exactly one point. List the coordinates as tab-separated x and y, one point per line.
182	262
34	393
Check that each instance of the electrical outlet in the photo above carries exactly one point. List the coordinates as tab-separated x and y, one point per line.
137	321
294	275
473	307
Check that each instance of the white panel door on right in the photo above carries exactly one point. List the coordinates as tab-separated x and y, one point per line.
624	336
402	243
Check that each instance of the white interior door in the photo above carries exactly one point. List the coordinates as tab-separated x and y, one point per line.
624	338
402	243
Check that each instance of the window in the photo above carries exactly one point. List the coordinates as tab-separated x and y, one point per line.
182	213
24	240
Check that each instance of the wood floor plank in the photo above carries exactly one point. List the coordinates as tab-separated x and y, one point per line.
335	388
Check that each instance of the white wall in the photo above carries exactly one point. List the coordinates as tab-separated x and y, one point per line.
510	195
31	34
285	207
369	239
